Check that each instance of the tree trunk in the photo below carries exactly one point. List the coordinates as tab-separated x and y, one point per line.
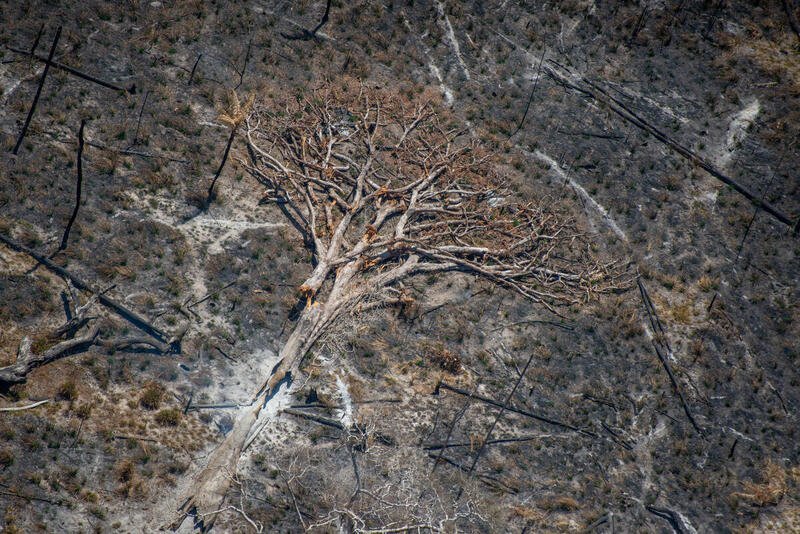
207	491
210	485
27	360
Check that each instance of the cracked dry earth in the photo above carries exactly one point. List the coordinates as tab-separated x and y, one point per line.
669	407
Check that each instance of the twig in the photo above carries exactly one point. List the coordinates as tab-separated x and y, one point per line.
294	500
486	479
639	25
458	416
130	436
244	67
31	498
210	295
212	406
654	321
36	41
563	326
129	152
792	18
498	416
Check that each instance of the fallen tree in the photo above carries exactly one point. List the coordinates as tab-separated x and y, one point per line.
61	342
595	92
381	189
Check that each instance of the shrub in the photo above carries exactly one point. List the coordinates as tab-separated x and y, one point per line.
152	396
682	313
67	391
168	417
6	458
562	503
83	411
445	359
707	283
125	470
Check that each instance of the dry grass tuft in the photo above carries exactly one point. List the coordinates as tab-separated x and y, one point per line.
770	491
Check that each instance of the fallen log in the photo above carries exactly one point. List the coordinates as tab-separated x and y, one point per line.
650	309
669	516
514	409
486	479
27	360
595	92
38	91
75	72
316	418
440	446
129	315
74	216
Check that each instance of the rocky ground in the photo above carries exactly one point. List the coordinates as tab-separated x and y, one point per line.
624	422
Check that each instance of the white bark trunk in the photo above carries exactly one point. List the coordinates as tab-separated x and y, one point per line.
210	485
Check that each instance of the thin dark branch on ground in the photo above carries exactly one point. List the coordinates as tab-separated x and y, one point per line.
497	418
35	44
595	92
306	35
790	13
210	196
32	109
657	343
74	216
139	120
244	67
194	68
444	385
530	97
75	72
